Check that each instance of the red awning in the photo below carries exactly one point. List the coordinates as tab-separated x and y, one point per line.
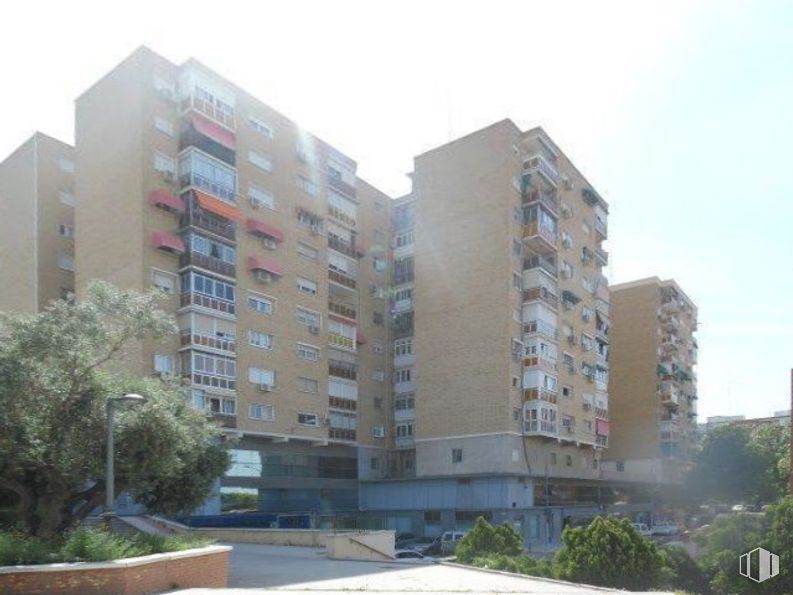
359	338
260	228
217	206
601	427
257	263
342	319
163	240
214	131
163	199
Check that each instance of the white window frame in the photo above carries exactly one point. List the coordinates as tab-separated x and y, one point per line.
308	352
164	125
259	197
307	379
260	126
260	299
305	286
308	415
263	162
261	412
260	339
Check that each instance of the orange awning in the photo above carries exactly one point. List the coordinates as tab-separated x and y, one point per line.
217	206
257	263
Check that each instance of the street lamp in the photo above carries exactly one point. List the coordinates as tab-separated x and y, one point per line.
109	478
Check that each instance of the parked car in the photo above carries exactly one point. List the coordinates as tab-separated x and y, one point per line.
403	540
665	528
409	555
642	529
421	544
740	508
444	544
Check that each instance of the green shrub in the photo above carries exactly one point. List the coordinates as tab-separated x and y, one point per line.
517	564
17	549
682	572
486	540
160	544
92	545
609	552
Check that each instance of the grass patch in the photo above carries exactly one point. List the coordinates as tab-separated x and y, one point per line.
89	545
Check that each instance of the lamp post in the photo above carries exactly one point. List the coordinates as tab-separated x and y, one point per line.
110	495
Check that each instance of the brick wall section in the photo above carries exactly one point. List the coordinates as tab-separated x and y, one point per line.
162	573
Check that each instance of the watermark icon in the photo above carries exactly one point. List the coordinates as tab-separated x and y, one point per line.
759	565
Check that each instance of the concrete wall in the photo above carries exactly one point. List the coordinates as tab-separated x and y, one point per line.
300	537
372	545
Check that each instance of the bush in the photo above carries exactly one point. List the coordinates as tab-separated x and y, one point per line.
486	540
682	572
517	564
90	545
17	549
160	544
609	552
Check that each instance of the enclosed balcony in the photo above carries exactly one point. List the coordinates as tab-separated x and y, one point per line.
344	247
342	310
542	294
540	165
342	369
541	327
344	434
338	184
209	214
209	137
543	262
203	172
540	238
532	192
342	280
209	263
196	338
540	394
540	419
670	394
569	299
601	256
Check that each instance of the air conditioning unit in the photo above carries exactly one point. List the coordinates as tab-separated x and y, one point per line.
314	330
269	243
169	176
263	276
378	432
587	406
566	183
266	388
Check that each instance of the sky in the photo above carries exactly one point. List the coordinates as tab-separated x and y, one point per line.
679	113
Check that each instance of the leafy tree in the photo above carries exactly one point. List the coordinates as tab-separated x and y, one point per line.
609	552
771	446
726	469
486	540
239	501
683	571
55	380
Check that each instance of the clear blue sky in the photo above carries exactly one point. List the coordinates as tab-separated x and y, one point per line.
680	113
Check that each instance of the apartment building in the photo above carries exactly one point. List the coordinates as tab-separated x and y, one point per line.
272	254
500	333
654	385
37	224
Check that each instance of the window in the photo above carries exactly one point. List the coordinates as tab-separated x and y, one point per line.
567	392
66	198
405	238
66	231
260	304
568	460
308	419
587	342
378	402
517	281
66	262
261	376
307	219
404	430
377	317
432	516
163	125
208	174
216	405
620	466
307	352
378	264
517	247
457	455
308	385
163	363
309	187
374	463
261	340
211	248
405	402
403	347
306	286
261	161
587	313
308	317
164	164
307	252
260	126
66	165
260	197
402	375
210	287
553	458
378	375
568	270
261	411
165	282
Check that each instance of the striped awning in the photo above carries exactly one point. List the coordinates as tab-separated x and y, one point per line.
217	206
260	228
163	240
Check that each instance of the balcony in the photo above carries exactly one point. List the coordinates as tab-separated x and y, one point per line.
539	394
540	238
540	262
670	323
590	196
205	380
209	138
602	306
341	216
404	414
569	299
341	279
601	413
342	434
602	229
587	256
224	420
602	441
343	247
538	163
197	217
209	263
540	362
218	111
601	256
669	395
196	180
404	305
205	301
342	369
343	404
189	337
542	294
342	310
541	327
540	427
405	442
547	199
341	186
337	340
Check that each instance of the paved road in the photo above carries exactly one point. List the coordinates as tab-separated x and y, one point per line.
292	570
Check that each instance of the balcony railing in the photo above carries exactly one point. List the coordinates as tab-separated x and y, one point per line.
404	441
602	256
602	441
542	294
538	163
400	332
542	394
541	327
547	199
345	404
546	236
342	279
196	180
341	341
208	108
341	216
601	413
210	380
197	218
342	310
341	186
601	228
345	248
535	262
342	434
539	426
343	370
538	361
209	263
190	337
198	299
